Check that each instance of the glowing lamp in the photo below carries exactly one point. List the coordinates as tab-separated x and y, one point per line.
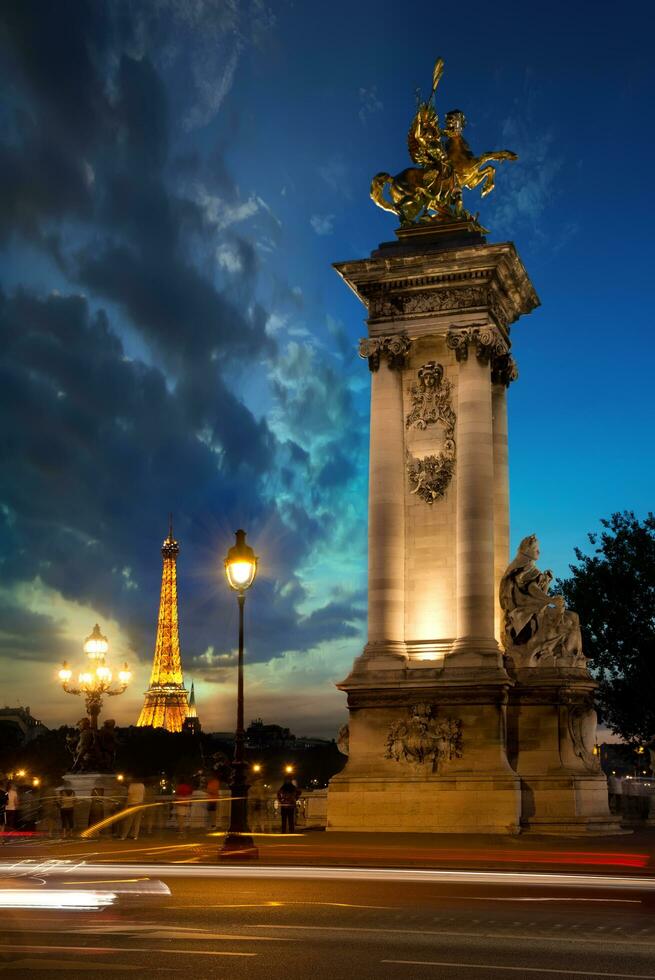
257	767
21	773
65	673
86	678
124	675
36	781
103	674
240	564
120	777
96	645
288	770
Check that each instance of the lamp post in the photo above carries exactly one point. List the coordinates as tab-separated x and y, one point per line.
96	681
240	569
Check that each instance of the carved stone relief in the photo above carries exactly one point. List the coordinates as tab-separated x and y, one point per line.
422	739
431	400
430	476
582	731
385	305
393	348
343	740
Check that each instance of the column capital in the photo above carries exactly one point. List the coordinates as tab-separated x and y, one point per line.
394	348
503	370
488	341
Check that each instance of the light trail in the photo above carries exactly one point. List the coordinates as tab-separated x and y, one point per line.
523	969
400	875
55	898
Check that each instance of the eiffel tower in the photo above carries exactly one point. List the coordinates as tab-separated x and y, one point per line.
166	700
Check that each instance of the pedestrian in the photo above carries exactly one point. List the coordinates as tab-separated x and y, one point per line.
11	807
150	808
4	797
258	800
287	797
67	810
213	789
135	796
183	792
49	812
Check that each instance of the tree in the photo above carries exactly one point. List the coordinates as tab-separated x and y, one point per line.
613	592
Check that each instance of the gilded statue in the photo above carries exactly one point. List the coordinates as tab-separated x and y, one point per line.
538	628
445	165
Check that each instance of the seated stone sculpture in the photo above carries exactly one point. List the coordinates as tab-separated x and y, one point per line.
537	628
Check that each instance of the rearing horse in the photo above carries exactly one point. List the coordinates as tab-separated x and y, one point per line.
465	166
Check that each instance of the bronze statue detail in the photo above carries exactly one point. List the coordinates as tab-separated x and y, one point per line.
445	165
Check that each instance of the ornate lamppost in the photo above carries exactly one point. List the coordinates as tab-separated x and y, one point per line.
96	681
240	569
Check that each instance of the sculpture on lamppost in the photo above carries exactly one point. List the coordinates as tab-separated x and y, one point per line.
445	165
93	749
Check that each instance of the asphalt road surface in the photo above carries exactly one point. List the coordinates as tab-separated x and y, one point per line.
256	926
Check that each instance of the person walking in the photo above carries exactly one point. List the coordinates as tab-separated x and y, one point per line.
287	796
136	792
67	811
257	802
4	797
213	789
183	792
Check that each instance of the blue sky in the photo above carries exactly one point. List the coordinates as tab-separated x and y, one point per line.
176	180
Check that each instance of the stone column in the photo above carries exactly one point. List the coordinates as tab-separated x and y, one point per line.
503	372
475	644
386	499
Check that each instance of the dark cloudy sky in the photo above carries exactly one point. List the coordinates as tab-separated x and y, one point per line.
176	177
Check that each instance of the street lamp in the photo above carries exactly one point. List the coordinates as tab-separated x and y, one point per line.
240	570
96	681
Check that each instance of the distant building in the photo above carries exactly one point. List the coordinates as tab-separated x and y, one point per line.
19	726
192	722
261	736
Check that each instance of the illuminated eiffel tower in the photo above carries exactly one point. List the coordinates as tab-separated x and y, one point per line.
166	701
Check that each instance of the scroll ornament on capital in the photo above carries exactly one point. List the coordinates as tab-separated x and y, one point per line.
394	349
538	629
487	340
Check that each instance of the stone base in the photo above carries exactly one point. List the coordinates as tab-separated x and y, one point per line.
480	804
83	784
567	803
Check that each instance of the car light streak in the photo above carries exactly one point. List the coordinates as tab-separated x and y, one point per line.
55	898
415	875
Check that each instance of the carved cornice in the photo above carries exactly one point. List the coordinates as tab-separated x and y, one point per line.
487	340
394	349
385	304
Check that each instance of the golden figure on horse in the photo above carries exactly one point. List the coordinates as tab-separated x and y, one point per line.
445	165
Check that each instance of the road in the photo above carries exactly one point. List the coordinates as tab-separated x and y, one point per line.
254	927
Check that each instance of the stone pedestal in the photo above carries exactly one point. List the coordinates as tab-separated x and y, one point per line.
443	736
551	735
108	794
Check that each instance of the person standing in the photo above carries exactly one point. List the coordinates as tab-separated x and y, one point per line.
134	803
11	807
287	796
257	802
67	811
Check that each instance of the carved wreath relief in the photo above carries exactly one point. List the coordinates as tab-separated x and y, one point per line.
431	403
424	739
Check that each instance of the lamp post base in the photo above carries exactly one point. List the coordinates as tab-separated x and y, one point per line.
238	847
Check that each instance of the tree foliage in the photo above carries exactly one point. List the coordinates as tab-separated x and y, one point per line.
613	591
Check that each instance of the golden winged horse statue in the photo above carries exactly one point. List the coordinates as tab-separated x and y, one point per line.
445	164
